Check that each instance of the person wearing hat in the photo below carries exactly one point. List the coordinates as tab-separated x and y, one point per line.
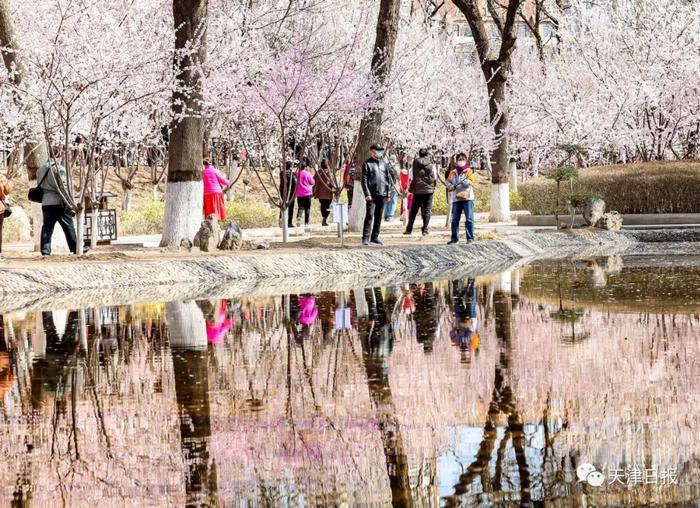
376	186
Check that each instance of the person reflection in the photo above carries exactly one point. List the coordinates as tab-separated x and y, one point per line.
218	324
48	372
6	372
188	341
425	316
307	314
464	334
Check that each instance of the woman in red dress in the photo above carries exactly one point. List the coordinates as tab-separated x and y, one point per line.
214	185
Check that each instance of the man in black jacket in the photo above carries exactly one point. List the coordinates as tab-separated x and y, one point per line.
423	188
376	186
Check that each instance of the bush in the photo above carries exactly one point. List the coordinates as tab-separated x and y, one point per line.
659	187
254	214
145	218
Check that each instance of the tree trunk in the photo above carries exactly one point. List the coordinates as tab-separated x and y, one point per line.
80	231
371	124
232	168
184	194
126	199
498	112
535	162
36	153
513	170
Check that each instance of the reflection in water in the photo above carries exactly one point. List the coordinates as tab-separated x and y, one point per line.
488	391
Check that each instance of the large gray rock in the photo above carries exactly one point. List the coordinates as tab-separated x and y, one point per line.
207	238
593	210
611	221
232	238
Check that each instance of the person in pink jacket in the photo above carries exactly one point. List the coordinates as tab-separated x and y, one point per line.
215	184
305	190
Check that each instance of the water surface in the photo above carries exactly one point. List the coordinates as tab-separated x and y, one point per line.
487	391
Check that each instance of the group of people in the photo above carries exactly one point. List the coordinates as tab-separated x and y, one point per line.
381	184
299	185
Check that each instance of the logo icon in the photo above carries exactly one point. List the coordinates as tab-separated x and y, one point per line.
588	473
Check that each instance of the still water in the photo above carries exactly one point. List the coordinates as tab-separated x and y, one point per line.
572	383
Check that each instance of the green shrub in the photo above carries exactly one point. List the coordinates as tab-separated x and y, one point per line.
145	218
12	231
516	202
661	187
254	214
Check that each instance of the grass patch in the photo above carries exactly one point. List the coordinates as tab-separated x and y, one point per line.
144	218
657	187
253	213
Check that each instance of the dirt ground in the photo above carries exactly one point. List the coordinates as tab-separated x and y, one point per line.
392	237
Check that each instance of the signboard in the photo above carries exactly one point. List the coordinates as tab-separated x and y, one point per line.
340	213
106	226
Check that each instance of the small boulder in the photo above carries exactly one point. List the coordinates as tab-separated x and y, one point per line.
185	244
262	244
232	238
611	221
593	210
207	238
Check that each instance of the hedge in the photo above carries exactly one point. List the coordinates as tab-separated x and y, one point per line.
659	187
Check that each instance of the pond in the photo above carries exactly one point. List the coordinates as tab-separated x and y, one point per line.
572	381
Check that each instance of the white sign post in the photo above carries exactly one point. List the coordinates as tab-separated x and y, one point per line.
340	217
342	315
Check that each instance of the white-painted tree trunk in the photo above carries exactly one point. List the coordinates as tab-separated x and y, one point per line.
186	325
82	323
535	164
80	232
503	282
361	306
513	175
285	225
183	212
154	193
356	221
37	220
38	338
95	230
500	203
515	283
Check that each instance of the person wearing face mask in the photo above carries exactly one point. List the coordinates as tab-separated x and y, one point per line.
460	184
376	185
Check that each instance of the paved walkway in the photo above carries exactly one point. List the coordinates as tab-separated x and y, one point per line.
391	230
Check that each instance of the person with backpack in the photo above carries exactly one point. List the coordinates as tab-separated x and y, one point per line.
460	184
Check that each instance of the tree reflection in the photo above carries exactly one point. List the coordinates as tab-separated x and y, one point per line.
188	340
375	333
